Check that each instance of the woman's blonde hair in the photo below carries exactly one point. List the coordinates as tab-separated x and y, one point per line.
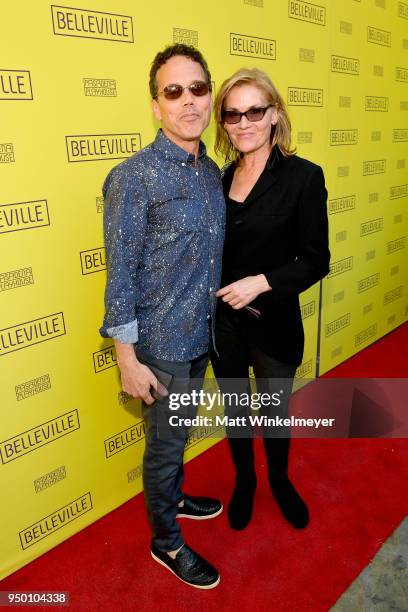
280	136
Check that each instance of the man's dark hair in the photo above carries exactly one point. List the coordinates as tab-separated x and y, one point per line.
178	49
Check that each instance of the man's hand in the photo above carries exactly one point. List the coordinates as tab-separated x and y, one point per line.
243	291
136	377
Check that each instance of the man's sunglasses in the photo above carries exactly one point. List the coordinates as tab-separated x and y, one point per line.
253	114
174	91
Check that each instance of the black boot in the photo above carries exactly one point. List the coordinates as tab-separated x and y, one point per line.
289	501
242	500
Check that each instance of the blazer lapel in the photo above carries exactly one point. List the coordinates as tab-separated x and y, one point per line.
227	179
268	177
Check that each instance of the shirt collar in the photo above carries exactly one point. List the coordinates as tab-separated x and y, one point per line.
173	151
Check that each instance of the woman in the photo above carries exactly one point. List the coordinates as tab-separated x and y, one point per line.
276	246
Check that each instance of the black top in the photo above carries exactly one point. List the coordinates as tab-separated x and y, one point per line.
280	230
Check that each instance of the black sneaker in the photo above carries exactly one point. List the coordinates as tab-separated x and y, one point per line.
199	508
189	567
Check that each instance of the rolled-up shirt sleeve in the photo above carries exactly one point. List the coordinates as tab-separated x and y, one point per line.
125	219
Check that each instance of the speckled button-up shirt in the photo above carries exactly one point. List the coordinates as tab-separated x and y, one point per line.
164	219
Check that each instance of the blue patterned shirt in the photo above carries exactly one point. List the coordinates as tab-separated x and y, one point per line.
164	220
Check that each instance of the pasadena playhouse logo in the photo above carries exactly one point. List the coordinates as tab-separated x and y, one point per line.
16	278
93	260
95	147
15	85
38	436
32	387
252	46
345	65
374	196
306	11
343	137
50	479
122	440
23	216
343	171
103	88
7	153
378	70
304	137
27	334
136	472
305	96
307	55
99	204
82	23
54	521
187	37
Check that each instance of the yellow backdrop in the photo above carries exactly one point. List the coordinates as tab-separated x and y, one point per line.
74	102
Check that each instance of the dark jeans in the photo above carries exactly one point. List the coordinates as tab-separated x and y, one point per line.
236	353
163	471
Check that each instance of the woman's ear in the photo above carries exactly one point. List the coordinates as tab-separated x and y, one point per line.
274	115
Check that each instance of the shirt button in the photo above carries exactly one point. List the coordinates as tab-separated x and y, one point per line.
208	316
210	289
183	164
211	261
210	230
196	173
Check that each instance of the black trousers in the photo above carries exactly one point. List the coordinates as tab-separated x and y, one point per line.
163	471
236	353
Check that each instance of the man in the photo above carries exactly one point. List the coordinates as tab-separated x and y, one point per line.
164	229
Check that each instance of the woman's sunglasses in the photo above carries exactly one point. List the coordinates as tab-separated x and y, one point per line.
253	114
174	91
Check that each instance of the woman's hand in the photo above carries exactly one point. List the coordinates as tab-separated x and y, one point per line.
244	291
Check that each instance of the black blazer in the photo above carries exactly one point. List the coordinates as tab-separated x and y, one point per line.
281	230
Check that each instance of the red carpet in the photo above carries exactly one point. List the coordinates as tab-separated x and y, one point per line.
386	358
357	495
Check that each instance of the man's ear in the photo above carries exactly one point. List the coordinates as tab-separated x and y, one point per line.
156	110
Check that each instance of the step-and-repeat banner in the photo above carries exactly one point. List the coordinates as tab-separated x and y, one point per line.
73	103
